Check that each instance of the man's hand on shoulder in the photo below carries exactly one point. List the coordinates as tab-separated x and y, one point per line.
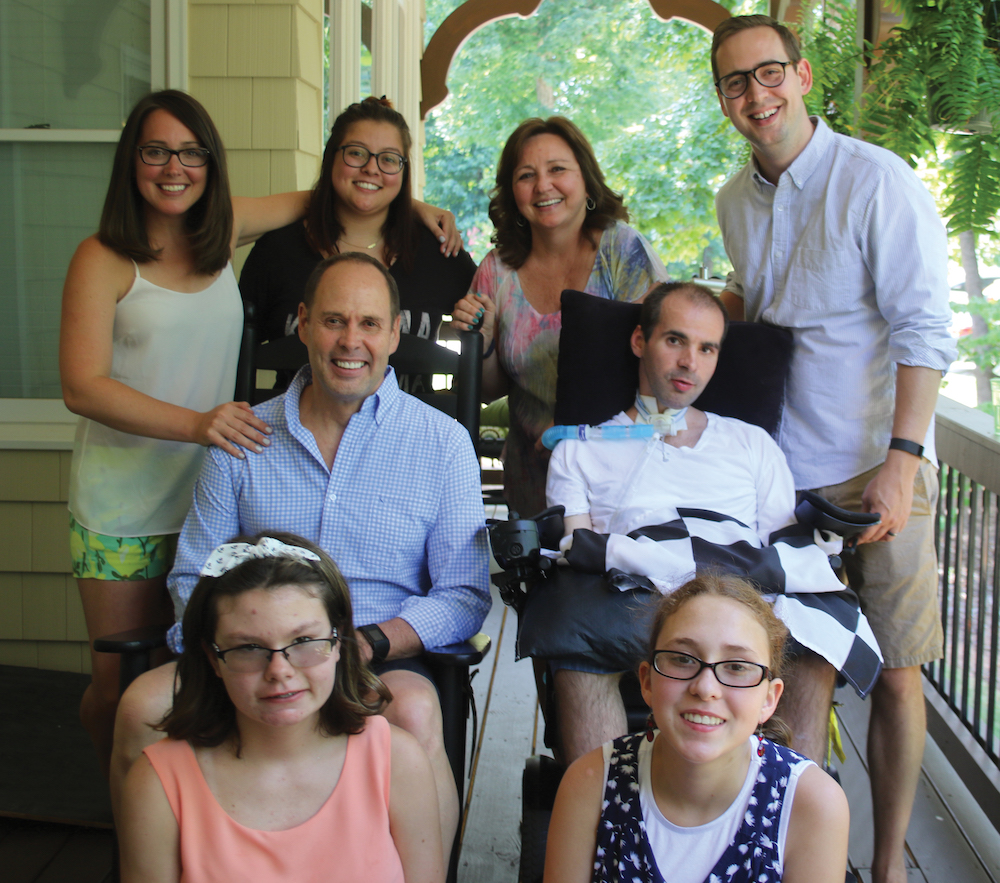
890	493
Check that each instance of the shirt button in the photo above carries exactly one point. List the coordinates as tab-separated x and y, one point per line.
778	254
333	498
781	208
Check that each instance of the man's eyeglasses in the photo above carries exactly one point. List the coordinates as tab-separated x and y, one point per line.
357	157
729	672
192	157
304	653
769	74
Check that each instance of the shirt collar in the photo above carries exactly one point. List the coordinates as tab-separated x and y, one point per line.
806	162
377	406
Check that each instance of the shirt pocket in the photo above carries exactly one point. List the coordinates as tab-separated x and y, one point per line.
825	280
398	528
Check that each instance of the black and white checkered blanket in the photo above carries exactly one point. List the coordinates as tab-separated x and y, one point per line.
792	571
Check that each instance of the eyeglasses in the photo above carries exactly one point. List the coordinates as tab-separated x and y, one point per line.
728	672
769	74
192	157
357	157
304	653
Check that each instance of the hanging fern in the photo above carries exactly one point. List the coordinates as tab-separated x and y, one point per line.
975	172
828	42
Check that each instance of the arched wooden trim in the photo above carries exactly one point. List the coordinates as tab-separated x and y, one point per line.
704	13
474	14
449	37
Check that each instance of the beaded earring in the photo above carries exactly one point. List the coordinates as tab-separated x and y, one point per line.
760	740
650	727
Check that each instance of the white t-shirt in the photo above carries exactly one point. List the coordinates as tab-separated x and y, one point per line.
735	468
687	855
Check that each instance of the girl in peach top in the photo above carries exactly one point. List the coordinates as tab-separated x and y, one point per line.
277	766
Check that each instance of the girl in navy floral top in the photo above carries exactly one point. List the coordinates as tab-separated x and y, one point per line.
707	794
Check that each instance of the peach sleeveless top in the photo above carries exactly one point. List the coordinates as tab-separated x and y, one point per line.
348	839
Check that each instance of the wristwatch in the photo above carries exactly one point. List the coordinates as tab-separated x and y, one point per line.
380	643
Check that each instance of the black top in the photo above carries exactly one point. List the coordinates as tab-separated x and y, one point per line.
275	273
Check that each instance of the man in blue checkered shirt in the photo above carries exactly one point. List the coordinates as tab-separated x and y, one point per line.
387	485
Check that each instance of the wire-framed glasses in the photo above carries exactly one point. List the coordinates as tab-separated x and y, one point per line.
357	157
728	672
769	74
192	157
303	653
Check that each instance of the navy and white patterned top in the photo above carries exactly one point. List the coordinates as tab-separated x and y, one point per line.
400	512
623	851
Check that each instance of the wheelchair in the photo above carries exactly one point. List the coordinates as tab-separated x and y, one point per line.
450	665
596	379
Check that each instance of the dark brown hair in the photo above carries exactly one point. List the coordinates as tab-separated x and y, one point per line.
203	712
322	224
209	222
744	23
312	283
725	585
513	240
697	294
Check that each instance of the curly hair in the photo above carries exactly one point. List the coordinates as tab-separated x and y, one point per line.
513	241
724	585
209	222
323	226
203	712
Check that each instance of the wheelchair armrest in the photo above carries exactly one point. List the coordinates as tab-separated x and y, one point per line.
469	652
815	511
134	641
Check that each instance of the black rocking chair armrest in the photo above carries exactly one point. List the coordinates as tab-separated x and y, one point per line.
469	652
134	641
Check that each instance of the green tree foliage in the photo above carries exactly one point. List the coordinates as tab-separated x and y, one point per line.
640	89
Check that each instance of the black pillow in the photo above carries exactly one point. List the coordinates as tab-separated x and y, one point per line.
598	373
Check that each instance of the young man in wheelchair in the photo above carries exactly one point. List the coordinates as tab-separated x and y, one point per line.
687	497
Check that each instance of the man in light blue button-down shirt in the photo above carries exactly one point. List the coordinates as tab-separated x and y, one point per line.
387	485
839	241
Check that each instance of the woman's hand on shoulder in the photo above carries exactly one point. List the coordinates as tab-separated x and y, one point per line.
148	834
572	837
255	216
816	845
442	224
232	426
413	810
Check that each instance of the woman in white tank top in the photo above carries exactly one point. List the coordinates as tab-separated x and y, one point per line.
699	796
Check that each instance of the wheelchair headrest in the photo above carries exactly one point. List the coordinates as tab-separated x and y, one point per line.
598	373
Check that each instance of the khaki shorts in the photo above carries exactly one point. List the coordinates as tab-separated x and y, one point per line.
897	581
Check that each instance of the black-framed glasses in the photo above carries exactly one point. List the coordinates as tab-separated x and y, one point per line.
729	672
388	161
192	157
769	74
304	653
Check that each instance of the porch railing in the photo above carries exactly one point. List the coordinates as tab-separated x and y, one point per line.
963	696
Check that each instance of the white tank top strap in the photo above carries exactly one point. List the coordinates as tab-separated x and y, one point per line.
134	264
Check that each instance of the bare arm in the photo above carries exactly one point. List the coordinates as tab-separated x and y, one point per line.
148	835
96	280
413	813
572	838
816	847
890	492
733	304
572	522
441	223
255	216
